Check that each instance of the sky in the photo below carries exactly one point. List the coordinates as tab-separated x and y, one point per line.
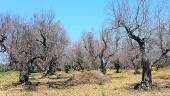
76	16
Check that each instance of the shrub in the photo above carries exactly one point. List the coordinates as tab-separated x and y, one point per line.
69	68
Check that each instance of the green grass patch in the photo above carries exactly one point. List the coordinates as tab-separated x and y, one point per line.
6	79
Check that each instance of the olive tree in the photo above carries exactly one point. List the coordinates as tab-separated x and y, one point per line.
53	40
133	20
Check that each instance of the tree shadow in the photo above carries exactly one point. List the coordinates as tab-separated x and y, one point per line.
163	77
154	87
119	77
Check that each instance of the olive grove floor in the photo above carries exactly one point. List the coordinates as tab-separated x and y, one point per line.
121	85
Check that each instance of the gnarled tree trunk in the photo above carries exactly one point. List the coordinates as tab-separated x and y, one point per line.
146	74
24	75
146	82
102	66
51	67
117	66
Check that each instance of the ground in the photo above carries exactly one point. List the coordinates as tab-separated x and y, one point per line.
121	85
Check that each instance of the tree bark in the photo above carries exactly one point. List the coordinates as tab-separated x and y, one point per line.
24	75
117	70
51	67
102	66
146	74
146	82
49	70
25	70
136	69
146	68
117	66
80	66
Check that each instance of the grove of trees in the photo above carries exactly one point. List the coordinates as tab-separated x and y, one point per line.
137	36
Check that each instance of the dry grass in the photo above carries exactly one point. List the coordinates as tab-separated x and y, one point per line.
88	77
119	85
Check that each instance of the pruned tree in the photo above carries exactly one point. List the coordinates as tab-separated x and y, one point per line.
5	24
29	44
107	49
53	39
91	46
79	56
134	21
25	53
161	37
133	55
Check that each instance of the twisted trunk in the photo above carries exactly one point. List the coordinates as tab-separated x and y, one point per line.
146	82
51	67
79	66
146	73
25	70
117	66
24	74
102	66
